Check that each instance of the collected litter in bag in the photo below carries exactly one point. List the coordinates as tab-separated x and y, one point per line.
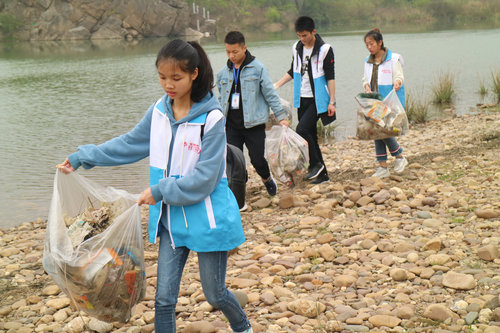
93	247
287	154
287	106
379	119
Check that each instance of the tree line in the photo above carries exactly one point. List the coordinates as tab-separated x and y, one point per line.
255	15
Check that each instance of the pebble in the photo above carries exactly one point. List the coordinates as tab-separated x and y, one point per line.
355	254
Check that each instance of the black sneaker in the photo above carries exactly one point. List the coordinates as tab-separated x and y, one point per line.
322	178
271	186
315	171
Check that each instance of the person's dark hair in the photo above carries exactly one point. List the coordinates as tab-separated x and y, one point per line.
189	56
376	35
304	23
234	37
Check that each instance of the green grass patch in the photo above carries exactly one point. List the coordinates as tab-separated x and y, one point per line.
452	176
474	264
458	219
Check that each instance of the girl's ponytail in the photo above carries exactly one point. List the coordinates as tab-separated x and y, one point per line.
204	83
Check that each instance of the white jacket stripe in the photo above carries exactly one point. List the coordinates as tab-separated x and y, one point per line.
159	144
210	213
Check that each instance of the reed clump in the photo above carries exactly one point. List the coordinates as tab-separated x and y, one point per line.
483	89
495	78
444	88
417	109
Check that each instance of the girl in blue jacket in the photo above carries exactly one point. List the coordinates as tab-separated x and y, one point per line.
191	205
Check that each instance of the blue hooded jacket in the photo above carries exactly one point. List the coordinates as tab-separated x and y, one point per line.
207	176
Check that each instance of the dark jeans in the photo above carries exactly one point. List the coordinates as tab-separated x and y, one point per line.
308	118
255	140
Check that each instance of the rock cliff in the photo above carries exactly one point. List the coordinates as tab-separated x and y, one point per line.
95	19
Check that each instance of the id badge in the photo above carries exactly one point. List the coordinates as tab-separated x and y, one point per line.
235	101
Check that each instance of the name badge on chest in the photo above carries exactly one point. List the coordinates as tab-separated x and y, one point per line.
235	101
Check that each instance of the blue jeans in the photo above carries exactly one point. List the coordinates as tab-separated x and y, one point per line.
381	148
213	281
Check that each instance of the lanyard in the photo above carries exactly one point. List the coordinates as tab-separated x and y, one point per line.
235	75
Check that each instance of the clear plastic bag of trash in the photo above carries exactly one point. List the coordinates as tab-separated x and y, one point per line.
287	106
287	154
93	247
379	119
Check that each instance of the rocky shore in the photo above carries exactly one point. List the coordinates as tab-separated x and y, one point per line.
417	252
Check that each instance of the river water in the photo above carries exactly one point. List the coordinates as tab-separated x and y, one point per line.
56	96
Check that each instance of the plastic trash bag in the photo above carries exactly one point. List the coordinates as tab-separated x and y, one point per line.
379	119
103	274
287	106
287	154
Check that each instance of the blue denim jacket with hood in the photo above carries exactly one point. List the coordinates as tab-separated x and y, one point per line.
257	92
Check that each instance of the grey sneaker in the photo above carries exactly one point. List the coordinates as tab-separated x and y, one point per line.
400	164
381	173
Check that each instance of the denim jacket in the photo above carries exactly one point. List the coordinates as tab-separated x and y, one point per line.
257	93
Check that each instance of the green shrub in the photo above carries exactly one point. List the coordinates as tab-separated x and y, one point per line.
444	89
273	15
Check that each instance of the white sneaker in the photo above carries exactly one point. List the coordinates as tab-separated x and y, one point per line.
400	164
244	208
381	173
